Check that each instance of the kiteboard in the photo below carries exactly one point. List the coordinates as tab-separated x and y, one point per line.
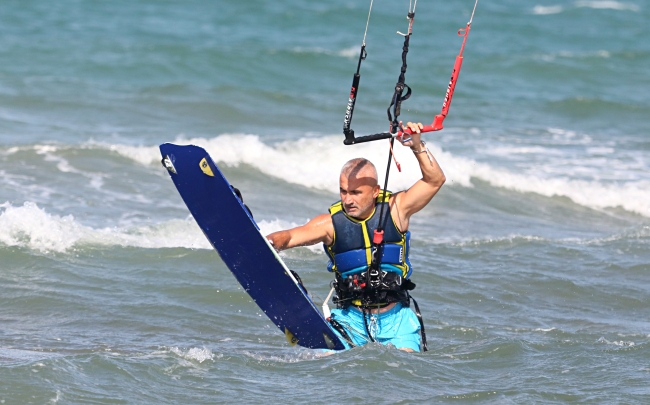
234	234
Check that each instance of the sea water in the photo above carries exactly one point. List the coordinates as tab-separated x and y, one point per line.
532	264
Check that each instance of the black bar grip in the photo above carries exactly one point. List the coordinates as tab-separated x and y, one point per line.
368	138
351	101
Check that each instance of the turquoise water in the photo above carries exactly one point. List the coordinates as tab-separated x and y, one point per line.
532	263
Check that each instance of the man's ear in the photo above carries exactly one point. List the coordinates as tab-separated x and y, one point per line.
375	192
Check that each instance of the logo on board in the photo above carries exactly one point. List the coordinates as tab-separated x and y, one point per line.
205	167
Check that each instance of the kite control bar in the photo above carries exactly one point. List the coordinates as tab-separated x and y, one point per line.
352	140
437	123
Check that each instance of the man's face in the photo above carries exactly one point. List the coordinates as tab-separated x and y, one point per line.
358	194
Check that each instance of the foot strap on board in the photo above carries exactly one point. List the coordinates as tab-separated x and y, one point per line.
238	193
299	280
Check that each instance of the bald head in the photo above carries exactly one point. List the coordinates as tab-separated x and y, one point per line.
360	169
359	188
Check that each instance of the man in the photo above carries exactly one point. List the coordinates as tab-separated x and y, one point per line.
380	313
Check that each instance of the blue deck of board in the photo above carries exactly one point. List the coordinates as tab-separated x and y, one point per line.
237	239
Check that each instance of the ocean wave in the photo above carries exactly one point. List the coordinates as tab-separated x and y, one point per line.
580	106
631	196
639	233
310	162
594	4
31	227
315	162
489	241
544	10
608	4
550	57
619	343
350	52
296	356
17	356
194	354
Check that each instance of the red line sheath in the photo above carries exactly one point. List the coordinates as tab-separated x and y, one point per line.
436	125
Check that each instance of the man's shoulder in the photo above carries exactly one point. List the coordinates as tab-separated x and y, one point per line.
322	227
321	220
323	217
395	197
336	207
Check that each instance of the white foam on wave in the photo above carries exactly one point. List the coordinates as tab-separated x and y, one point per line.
194	354
350	52
296	356
545	10
594	4
508	151
551	57
32	227
315	162
488	240
142	154
633	234
631	196
311	162
608	4
619	343
317	50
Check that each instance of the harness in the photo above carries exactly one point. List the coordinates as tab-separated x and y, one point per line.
351	255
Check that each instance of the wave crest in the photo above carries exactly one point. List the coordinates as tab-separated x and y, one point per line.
315	163
608	4
594	4
31	227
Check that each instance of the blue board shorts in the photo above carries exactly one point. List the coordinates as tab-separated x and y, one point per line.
398	326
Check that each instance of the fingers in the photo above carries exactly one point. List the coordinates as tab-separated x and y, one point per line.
414	127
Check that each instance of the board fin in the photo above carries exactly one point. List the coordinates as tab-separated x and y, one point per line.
290	337
205	167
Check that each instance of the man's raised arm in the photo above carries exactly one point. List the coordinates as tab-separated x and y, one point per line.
418	196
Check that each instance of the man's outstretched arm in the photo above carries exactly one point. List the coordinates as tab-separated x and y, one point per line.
317	230
418	196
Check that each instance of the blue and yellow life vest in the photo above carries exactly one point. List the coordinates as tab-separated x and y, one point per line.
351	250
